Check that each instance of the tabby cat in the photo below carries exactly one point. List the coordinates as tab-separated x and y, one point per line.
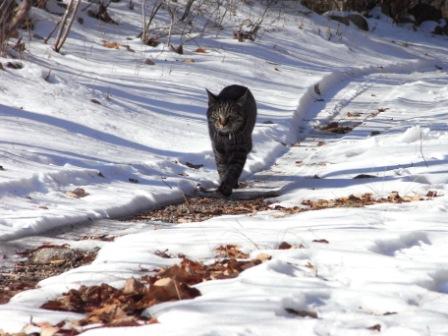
231	118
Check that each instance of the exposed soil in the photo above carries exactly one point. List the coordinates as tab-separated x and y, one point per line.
198	209
40	263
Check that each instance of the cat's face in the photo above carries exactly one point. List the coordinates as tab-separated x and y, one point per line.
226	116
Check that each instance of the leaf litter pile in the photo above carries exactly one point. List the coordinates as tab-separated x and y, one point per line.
40	263
197	209
105	305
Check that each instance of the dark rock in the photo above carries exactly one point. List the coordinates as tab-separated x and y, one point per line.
441	30
359	21
14	65
425	12
341	19
362	176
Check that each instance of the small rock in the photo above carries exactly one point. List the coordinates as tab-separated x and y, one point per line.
149	61
359	21
14	65
51	255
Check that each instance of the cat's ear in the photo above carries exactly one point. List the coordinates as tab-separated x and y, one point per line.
242	100
211	98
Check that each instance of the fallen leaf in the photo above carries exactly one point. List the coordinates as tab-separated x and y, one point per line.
163	254
149	61
132	285
263	257
353	114
321	241
375	327
194	166
335	127
431	194
46	329
111	45
302	313
230	251
201	50
128	48
77	193
284	246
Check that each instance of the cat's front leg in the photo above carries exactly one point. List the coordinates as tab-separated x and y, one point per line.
234	168
221	164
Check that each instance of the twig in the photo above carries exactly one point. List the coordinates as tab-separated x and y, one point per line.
52	32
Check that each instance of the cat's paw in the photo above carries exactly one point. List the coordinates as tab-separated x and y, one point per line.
225	189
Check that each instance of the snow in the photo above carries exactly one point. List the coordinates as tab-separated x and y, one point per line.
384	264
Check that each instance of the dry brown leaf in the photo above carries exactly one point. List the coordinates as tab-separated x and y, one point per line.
353	114
230	251
335	127
431	194
122	307
111	44
77	193
375	327
263	257
46	329
132	285
284	246
201	50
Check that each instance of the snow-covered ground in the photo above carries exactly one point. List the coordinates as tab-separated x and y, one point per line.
384	264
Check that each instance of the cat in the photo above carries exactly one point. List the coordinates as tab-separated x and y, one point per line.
231	117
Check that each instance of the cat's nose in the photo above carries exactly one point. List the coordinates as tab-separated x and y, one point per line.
223	121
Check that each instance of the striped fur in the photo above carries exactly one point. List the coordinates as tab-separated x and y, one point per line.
231	119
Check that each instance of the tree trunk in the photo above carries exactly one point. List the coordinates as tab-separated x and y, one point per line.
66	24
11	18
187	10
